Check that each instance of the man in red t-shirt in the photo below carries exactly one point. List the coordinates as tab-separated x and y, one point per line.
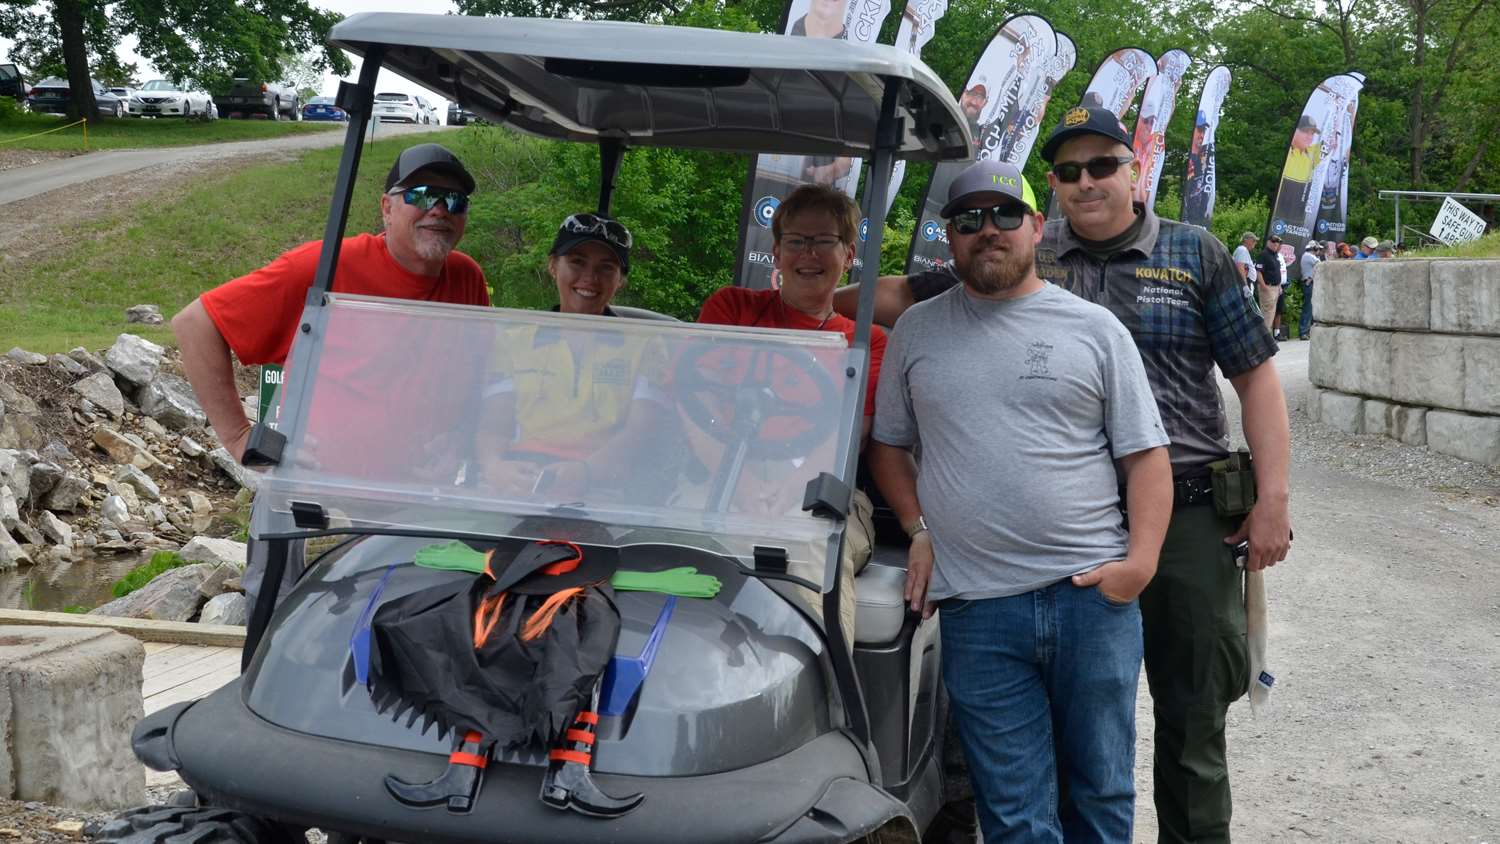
815	230
424	209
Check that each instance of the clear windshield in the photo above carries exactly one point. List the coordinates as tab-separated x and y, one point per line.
158	85
500	422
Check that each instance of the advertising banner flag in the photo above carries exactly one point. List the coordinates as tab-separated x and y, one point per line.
1157	105
1200	182
918	21
1332	220
1118	79
1005	92
773	177
1316	138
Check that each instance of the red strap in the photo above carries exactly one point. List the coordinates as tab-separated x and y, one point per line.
473	760
563	566
473	737
570	756
587	718
583	736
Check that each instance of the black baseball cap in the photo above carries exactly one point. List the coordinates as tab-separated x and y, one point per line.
582	228
1085	120
434	157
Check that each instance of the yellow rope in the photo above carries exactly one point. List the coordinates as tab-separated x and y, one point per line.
50	131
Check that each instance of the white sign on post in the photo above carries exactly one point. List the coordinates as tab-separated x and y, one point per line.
1456	224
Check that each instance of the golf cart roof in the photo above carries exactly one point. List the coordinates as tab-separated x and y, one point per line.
649	85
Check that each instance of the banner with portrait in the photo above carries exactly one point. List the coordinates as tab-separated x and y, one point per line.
1317	138
1332	221
1150	139
773	177
918	22
1006	92
1200	182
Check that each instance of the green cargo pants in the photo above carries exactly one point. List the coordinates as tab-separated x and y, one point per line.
1193	619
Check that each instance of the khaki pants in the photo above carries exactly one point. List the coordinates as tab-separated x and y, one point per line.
859	537
1268	294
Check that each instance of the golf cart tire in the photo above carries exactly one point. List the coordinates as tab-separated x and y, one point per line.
178	825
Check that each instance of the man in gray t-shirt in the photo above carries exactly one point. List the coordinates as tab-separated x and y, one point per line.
1023	398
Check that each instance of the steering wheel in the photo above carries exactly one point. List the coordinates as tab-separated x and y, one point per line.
748	382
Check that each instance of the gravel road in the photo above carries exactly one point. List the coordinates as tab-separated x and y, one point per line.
1385	641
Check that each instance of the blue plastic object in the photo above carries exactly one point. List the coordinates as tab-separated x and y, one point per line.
623	678
359	643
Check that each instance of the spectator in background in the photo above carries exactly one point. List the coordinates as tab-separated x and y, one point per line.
1346	252
1385	249
1311	257
1366	249
1244	263
1268	269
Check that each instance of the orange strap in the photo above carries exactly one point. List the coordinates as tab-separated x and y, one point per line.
473	760
587	718
562	566
582	736
570	756
483	626
489	555
542	618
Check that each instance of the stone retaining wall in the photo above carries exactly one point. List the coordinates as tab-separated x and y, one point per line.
1410	349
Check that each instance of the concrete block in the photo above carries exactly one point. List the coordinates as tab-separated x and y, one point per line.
1368	370
74	696
1482	374
1342	412
1313	402
1427	369
1465	435
1397	295
1466	297
1377	413
1338	295
1397	421
1327	345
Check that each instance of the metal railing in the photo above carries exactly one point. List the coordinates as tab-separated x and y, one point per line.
1432	196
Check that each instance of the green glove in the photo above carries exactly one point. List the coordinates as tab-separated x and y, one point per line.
684	582
451	556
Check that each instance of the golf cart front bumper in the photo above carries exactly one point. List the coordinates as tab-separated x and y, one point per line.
816	793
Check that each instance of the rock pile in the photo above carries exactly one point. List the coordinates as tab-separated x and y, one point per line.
107	453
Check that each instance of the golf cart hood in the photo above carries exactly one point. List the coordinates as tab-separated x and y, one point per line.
724	91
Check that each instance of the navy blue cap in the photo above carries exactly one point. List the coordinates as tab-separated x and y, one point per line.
1085	120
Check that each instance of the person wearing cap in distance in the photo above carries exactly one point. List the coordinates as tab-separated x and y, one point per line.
1385	249
815	230
1270	274
1312	256
563	406
1366	249
1022	398
423	209
1175	288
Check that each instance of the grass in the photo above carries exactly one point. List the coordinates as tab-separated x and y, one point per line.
129	133
161	561
1485	247
167	251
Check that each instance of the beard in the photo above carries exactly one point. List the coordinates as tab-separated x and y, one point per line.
995	272
433	244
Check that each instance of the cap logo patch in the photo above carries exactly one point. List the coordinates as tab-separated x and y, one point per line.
1076	117
997	179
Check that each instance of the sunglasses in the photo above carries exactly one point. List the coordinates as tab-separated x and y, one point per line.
610	230
1005	217
1099	168
426	197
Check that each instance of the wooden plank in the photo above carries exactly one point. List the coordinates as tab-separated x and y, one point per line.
157	647
197	688
157	664
179	632
187	671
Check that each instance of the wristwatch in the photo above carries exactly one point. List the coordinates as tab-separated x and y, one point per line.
917	528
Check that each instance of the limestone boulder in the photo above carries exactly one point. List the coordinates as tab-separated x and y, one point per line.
144	315
135	359
228	608
208	549
173	596
100	389
170	400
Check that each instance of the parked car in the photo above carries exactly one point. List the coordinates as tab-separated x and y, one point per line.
161	98
247	96
399	107
123	93
52	95
12	82
459	116
323	108
429	111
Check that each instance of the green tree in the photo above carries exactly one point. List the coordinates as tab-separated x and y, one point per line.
206	40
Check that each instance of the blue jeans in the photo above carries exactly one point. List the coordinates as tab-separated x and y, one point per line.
1305	322
1043	692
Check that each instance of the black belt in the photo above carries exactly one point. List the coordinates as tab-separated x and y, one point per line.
1189	492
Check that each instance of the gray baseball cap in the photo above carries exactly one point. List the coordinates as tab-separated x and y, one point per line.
434	157
988	177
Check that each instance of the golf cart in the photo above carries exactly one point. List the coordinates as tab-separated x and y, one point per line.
733	714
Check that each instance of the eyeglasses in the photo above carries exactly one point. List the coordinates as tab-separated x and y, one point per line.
426	197
1099	168
1005	217
822	245
610	230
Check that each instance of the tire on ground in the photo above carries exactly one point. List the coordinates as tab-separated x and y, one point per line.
163	824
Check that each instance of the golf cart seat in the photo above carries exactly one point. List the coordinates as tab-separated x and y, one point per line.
880	605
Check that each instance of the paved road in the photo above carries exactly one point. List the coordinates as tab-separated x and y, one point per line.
24	182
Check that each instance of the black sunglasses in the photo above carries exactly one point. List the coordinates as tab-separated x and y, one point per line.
426	197
1005	217
1099	168
612	230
